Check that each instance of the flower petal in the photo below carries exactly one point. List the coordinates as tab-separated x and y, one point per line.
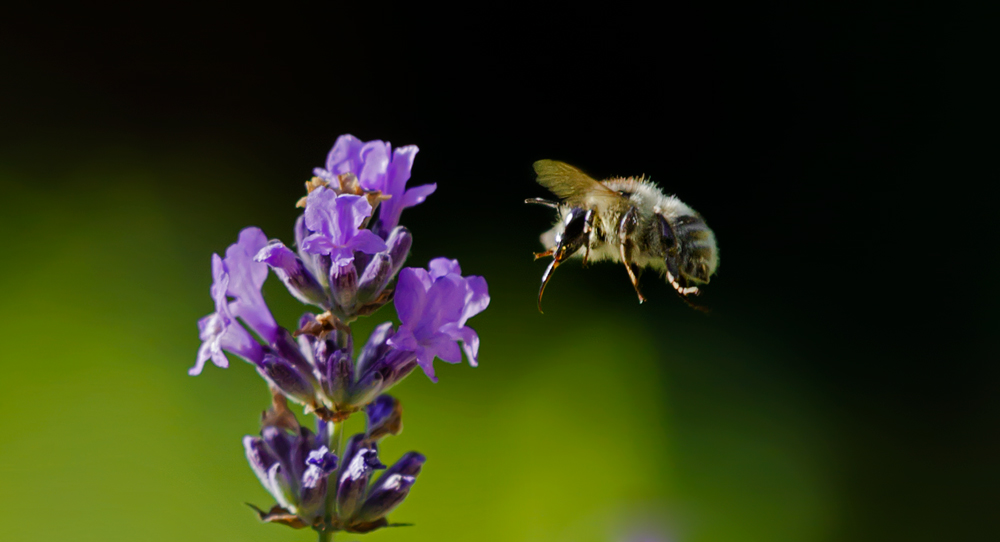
425	359
246	277
317	243
417	194
439	267
349	212
397	175
477	298
446	348
318	215
470	341
366	241
345	156
411	294
374	164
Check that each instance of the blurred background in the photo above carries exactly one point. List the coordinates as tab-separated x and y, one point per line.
844	387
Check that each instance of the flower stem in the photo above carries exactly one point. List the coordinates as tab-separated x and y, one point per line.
336	436
325	536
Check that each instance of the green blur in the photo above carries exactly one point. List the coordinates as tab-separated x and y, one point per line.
598	418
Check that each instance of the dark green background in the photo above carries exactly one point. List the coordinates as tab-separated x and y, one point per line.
844	387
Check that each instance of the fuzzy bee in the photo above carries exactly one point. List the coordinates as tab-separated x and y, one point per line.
628	220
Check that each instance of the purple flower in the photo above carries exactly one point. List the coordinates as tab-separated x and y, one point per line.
334	221
246	276
347	260
367	161
395	185
240	277
220	331
293	468
433	306
371	163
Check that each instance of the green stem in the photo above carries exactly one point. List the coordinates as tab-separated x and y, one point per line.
336	437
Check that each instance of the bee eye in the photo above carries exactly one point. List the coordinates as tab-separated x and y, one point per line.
576	221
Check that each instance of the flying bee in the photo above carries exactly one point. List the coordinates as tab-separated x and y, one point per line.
628	220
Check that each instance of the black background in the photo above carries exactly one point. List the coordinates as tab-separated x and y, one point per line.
837	152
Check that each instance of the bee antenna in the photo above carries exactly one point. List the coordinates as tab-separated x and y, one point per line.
542	201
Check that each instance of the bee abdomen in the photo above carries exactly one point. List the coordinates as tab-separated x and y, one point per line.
697	246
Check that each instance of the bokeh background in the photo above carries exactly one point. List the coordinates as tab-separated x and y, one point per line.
844	388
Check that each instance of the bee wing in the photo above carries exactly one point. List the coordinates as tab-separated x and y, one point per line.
572	185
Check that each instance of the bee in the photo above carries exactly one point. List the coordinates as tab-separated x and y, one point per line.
628	220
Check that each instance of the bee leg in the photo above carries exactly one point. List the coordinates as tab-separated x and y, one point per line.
545	280
539	255
570	240
625	227
681	285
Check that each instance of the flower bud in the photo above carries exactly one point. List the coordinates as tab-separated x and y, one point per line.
281	488
375	347
376	276
391	488
395	366
279	443
384	373
384	417
320	463
338	377
385	497
353	481
318	264
344	286
365	389
300	282
288	379
259	457
291	350
399	243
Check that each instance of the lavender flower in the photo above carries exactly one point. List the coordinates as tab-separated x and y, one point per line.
371	163
240	277
335	221
294	469
301	474
347	265
341	266
433	307
246	277
339	386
